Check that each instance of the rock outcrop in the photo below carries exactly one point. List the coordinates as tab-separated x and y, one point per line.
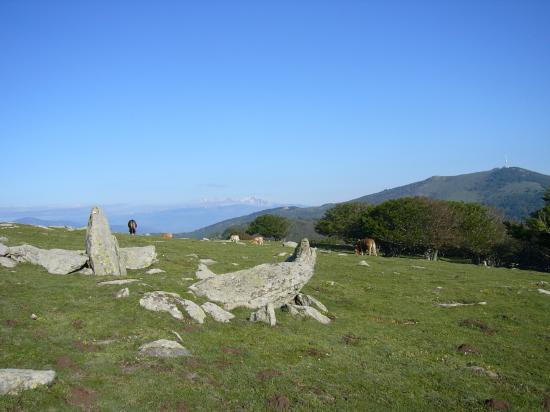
7	262
265	314
102	248
138	257
203	272
164	348
255	288
55	261
160	301
13	381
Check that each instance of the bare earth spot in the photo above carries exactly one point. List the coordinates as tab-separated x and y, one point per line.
477	324
546	403
351	339
279	403
82	397
84	347
11	323
316	353
191	328
321	394
267	374
232	351
64	362
222	364
467	349
497	404
77	324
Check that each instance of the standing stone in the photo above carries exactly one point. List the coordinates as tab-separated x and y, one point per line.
102	247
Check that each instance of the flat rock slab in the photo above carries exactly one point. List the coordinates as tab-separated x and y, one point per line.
118	282
363	263
207	262
164	348
55	261
7	262
123	293
543	291
155	271
307	311
254	288
138	257
203	272
217	313
159	301
307	300
13	381
456	304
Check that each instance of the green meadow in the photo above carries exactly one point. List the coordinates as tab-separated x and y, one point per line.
389	346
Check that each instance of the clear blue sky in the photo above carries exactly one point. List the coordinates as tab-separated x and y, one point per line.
291	101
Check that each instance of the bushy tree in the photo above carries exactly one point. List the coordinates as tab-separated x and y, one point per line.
273	226
343	221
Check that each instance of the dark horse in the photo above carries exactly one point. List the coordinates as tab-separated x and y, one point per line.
132	226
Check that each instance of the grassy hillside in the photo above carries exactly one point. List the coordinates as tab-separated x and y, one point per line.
516	192
390	347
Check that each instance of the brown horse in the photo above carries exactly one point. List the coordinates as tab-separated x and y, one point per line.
132	226
257	240
365	246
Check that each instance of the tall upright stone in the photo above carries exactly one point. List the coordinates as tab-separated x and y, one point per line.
102	249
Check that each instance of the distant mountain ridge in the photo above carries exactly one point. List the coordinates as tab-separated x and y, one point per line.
515	191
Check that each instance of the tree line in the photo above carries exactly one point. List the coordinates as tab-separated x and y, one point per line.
430	227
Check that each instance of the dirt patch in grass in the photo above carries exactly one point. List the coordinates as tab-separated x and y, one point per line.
180	406
477	324
77	324
84	346
324	396
232	351
82	397
10	323
191	329
316	353
267	374
64	362
497	404
351	339
546	403
278	403
467	349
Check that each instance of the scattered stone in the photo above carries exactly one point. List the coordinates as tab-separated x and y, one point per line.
265	314
418	267
13	381
193	255
546	292
7	225
160	301
307	300
207	262
363	263
282	254
138	257
325	251
187	279
118	282
235	264
55	261
307	311
123	293
7	262
4	250
3	239
217	313
177	335
254	288
205	239
467	349
203	272
478	370
342	254
497	404
86	271
455	304
155	271
102	248
164	348
290	244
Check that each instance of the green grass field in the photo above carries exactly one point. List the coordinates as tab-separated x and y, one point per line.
390	347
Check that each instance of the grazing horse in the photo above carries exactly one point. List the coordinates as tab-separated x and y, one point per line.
365	246
132	226
234	238
167	236
258	240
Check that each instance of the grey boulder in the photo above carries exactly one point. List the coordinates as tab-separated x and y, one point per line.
159	301
138	257
307	300
164	348
217	313
307	311
102	248
55	261
265	314
13	381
